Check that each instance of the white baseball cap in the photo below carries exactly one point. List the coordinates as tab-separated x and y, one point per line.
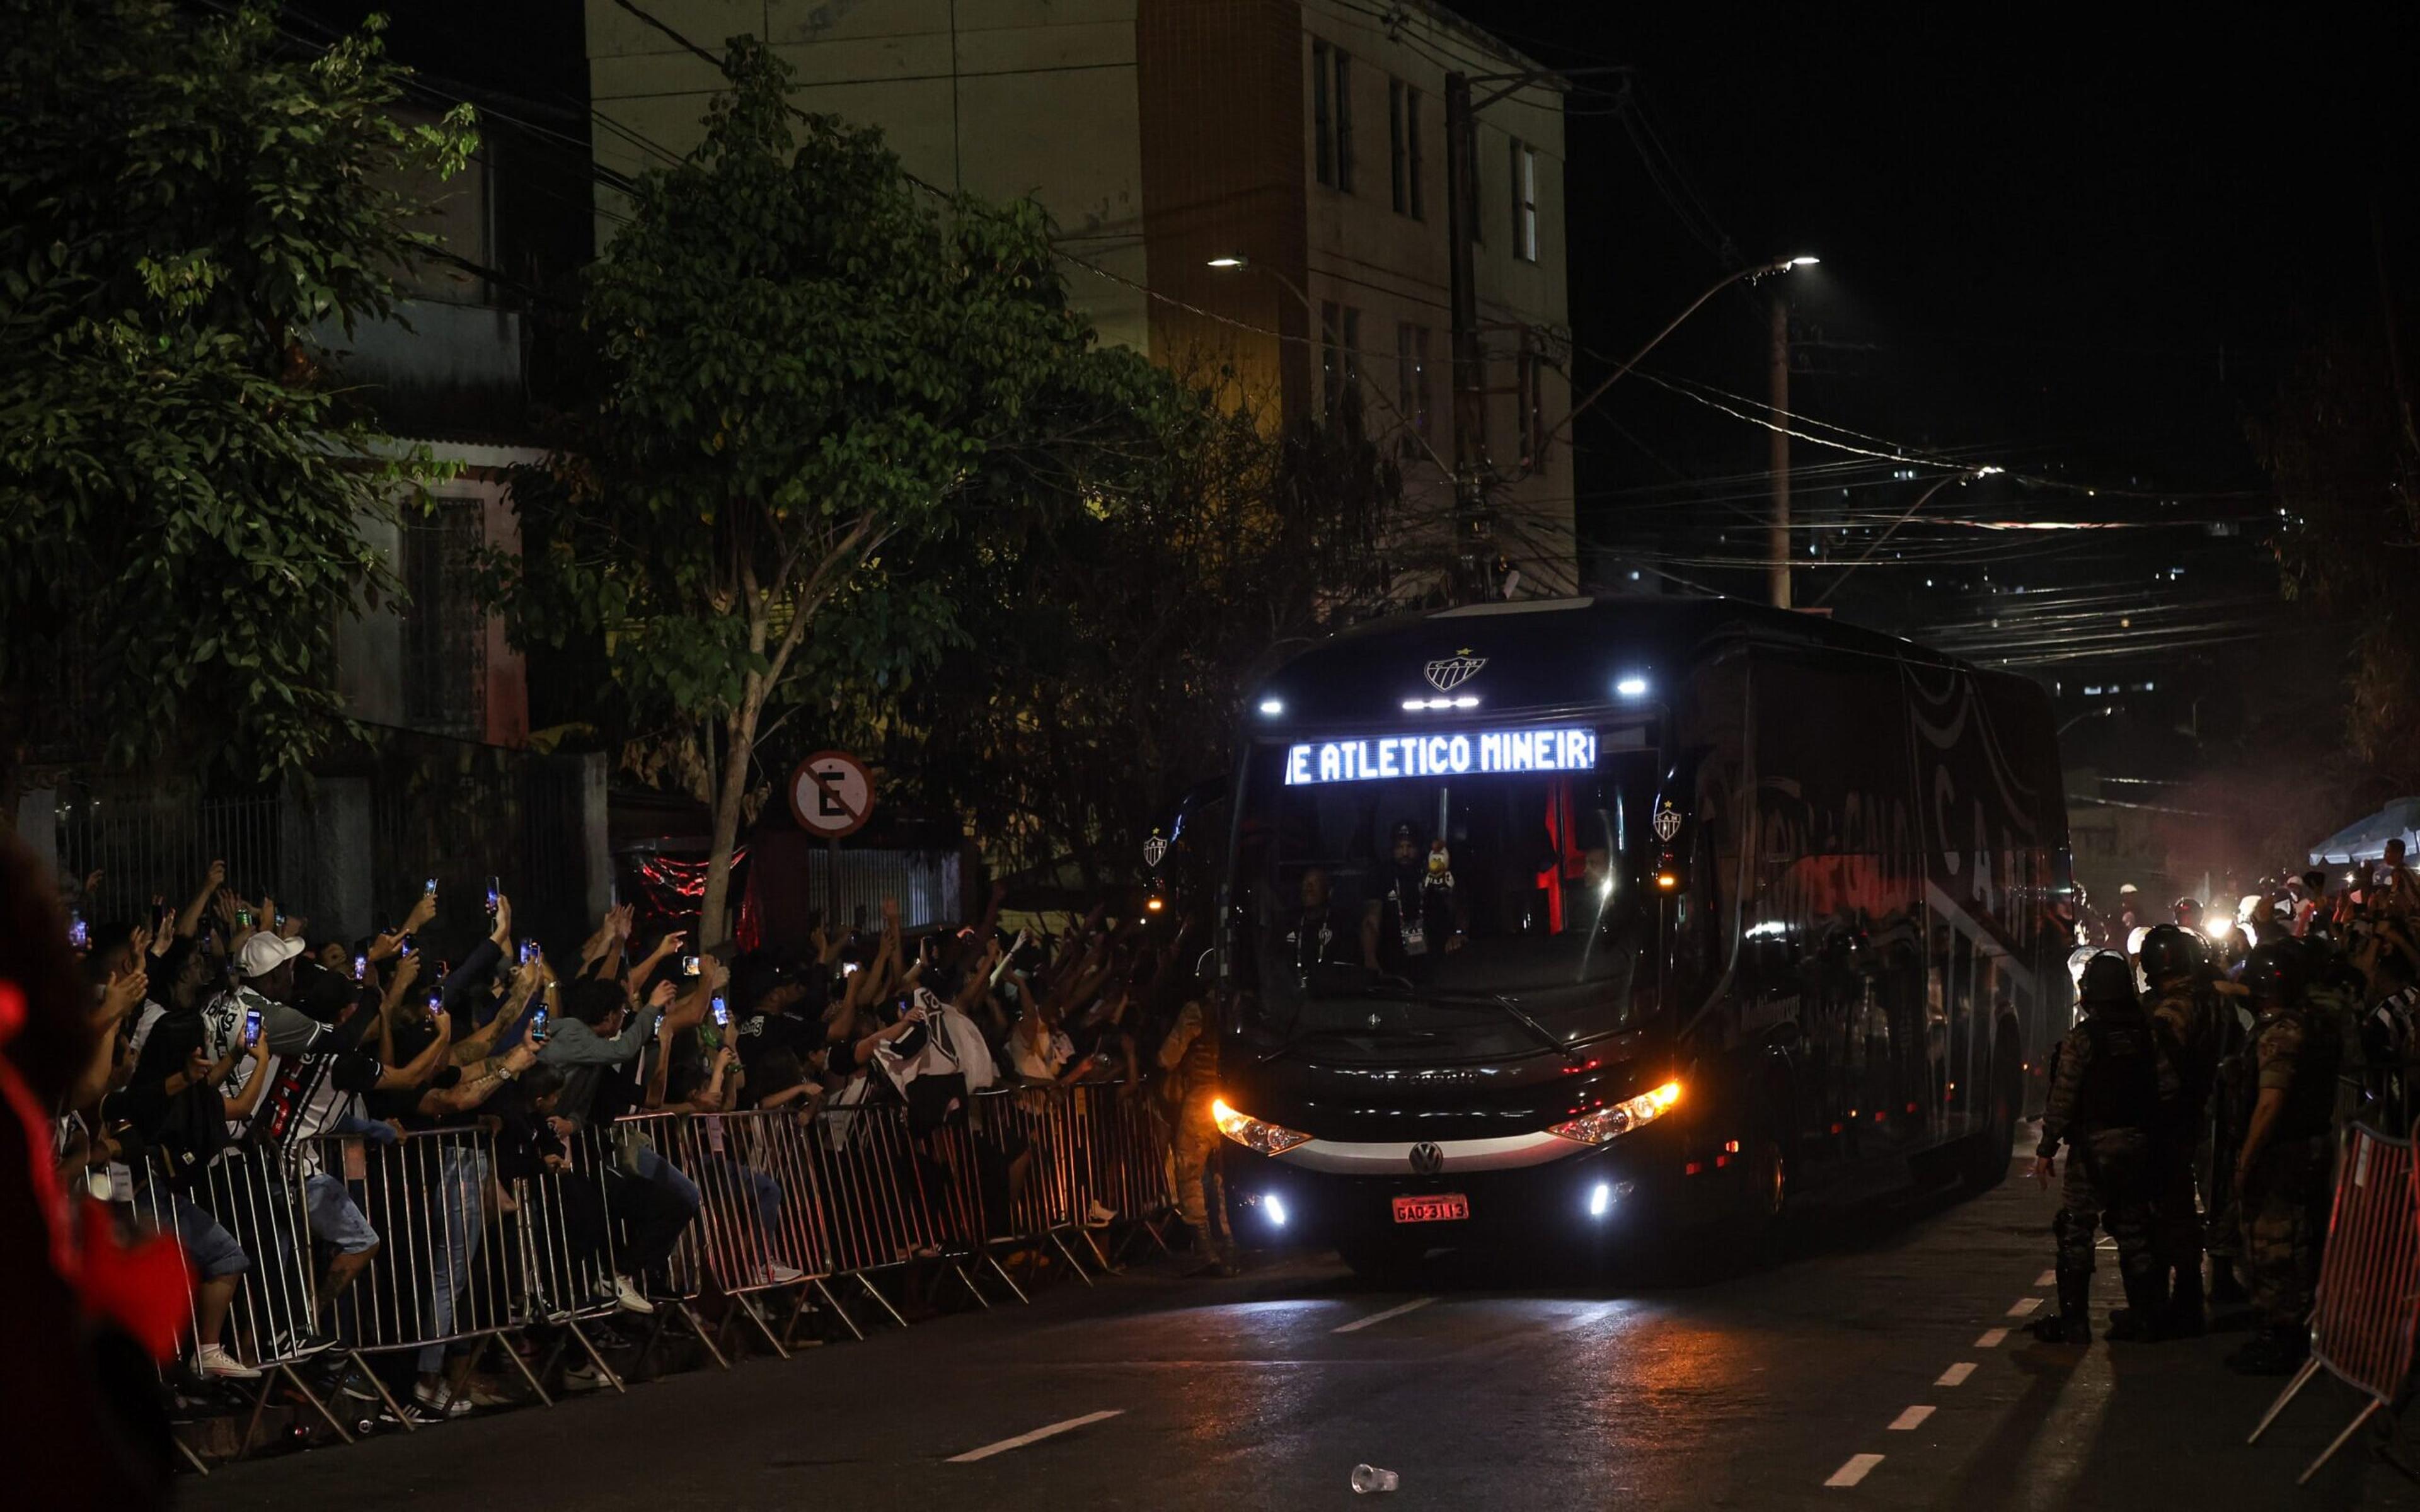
264	953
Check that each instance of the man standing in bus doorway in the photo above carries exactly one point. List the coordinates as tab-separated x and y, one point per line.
2281	1178
2105	1101
2186	1014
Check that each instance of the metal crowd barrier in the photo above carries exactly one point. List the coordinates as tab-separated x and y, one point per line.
479	1243
257	1199
2363	1316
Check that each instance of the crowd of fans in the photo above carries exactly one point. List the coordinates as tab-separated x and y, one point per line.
243	1046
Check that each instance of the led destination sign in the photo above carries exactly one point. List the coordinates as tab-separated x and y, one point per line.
1379	757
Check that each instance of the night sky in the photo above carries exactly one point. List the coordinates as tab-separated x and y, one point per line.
2078	249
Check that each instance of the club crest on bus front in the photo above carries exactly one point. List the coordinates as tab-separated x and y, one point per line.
1449	672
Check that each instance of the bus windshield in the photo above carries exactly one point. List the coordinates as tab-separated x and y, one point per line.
1488	907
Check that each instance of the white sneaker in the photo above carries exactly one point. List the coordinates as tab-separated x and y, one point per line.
213	1360
629	1298
438	1401
1100	1217
783	1275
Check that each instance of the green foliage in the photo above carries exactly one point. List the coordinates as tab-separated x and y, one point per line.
190	210
1108	657
812	373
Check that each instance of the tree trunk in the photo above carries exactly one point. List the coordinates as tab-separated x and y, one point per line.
730	795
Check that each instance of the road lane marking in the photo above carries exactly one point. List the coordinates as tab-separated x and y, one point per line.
1991	1339
1413	1305
1910	1418
2024	1305
1956	1375
1857	1468
1035	1437
2048	1278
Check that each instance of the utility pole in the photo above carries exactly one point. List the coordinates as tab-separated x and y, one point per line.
1776	547
1474	524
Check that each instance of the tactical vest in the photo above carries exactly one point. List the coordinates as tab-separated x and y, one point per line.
2121	1086
2196	1059
2311	1102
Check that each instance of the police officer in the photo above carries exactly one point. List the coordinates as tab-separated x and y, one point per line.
2190	1022
2105	1105
2281	1176
1189	1056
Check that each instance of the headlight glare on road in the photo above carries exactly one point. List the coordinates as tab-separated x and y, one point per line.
1609	1124
1254	1134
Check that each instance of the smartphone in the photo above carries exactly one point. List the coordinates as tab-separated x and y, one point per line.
405	946
436	1004
361	968
689	966
79	933
848	968
252	1025
243	919
429	889
281	921
531	954
721	1011
538	1029
495	891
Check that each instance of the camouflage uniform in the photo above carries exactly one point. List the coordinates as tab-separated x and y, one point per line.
2107	1087
2224	1232
1190	1054
2191	1031
2286	1190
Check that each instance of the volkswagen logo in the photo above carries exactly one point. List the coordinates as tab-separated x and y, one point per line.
1427	1160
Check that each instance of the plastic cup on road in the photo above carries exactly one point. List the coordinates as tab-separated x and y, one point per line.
1370	1478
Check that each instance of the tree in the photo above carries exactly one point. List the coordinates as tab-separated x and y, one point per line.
1107	657
809	371
189	214
2339	449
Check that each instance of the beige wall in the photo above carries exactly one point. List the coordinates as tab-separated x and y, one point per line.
1002	98
1365	254
1044	96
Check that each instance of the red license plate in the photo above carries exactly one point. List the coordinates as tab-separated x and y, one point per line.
1437	1210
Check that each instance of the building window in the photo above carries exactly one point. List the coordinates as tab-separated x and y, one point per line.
1530	393
1344	121
1323	123
1404	138
1412	386
1340	354
1525	201
444	628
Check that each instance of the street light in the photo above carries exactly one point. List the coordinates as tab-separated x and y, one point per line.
1779	265
1231	263
1967	476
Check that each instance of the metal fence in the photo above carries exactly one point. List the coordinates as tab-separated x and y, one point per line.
758	1221
143	845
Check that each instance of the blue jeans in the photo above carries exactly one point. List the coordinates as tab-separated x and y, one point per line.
654	1167
461	1179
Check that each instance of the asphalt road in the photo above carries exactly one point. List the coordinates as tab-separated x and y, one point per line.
1881	1339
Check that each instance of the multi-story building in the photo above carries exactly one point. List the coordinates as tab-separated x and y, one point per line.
1258	183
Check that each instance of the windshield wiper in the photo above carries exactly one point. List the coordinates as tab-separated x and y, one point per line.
1509	1007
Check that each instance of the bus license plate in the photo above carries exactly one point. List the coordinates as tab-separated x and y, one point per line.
1445	1209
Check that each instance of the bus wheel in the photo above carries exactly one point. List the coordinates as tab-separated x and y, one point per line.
1996	1146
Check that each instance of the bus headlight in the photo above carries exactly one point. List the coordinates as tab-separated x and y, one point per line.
1610	1123
1254	1134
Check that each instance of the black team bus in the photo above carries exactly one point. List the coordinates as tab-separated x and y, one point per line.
1587	923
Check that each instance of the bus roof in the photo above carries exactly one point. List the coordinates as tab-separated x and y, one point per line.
1536	655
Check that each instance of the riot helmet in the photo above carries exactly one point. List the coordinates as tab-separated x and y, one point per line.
2107	979
2275	972
2170	951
